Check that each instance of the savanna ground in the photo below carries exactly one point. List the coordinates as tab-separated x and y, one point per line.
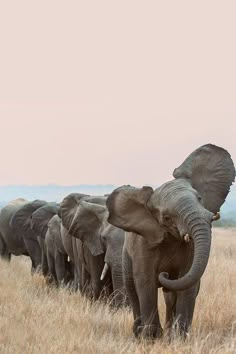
38	319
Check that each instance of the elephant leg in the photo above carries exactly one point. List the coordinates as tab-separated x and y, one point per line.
170	300
52	277
77	278
185	307
69	268
34	251
60	267
131	291
118	287
4	254
148	298
85	286
44	262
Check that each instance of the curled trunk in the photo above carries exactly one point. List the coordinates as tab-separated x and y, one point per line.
201	234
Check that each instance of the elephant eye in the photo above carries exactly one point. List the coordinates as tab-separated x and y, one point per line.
167	218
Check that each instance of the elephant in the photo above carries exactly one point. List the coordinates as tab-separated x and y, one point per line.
9	242
168	238
89	266
39	225
73	248
59	267
15	230
101	238
99	250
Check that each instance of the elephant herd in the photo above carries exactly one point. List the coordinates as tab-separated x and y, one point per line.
126	245
91	260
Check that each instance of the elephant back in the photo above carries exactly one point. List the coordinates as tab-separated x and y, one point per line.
20	222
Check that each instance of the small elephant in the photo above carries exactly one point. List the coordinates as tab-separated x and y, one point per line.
73	248
100	249
88	265
60	268
168	237
39	225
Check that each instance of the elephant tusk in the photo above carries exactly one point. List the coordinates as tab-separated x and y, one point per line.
104	272
186	238
216	216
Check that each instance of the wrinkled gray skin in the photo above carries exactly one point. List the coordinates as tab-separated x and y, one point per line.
16	232
155	252
39	225
9	242
73	248
57	258
99	242
89	266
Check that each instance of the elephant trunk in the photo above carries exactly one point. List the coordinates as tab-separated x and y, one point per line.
200	232
119	293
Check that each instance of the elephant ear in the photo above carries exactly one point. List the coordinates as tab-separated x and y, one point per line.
211	172
86	226
128	210
41	217
22	219
69	207
54	225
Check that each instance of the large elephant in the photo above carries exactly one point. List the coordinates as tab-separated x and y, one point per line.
168	237
100	250
15	230
39	225
59	267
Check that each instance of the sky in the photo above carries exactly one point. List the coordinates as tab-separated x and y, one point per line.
120	92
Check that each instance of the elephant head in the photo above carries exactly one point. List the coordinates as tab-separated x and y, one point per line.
83	221
68	208
184	206
21	220
41	217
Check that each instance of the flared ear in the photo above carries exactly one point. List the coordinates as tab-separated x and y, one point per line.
68	208
86	225
128	210
211	172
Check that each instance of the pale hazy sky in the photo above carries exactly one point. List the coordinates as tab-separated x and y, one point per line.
113	91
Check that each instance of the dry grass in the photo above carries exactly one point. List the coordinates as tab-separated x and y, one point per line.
36	319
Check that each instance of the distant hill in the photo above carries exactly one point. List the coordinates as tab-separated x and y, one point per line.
53	192
50	192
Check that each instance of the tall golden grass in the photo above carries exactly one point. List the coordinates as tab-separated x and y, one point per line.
37	319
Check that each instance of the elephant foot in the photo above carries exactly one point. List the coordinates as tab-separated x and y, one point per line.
136	326
150	332
181	330
51	281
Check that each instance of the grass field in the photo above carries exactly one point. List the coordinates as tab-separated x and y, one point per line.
37	319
